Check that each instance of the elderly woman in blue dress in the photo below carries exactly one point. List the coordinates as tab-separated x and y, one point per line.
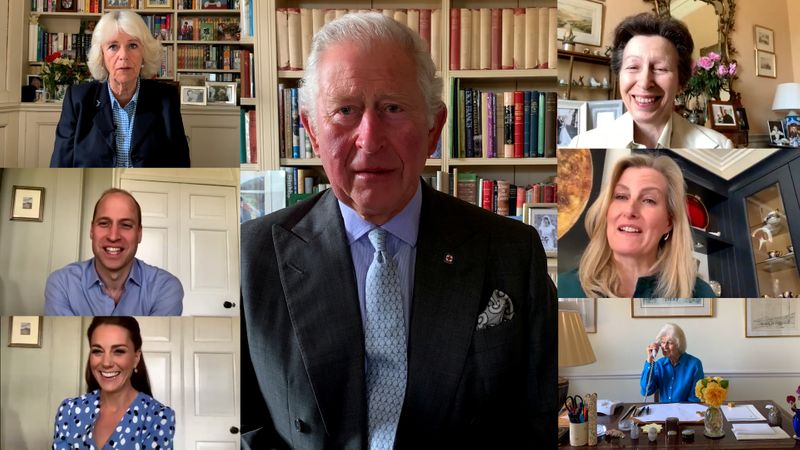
118	411
675	375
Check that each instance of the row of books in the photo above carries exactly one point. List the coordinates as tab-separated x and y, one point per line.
86	6
293	141
167	69
247	73
160	26
248	145
219	57
41	44
207	4
296	27
207	28
516	124
503	38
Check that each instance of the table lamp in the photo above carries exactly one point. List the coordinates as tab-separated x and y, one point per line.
787	98
574	348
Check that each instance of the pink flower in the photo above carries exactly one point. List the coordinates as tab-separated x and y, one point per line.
732	72
798	390
705	62
714	56
723	70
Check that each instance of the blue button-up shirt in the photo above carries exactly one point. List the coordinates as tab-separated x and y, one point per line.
123	126
675	383
76	290
401	243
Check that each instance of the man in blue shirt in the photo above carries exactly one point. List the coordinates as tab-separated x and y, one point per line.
114	282
675	375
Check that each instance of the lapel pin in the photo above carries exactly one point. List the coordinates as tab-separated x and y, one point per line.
448	258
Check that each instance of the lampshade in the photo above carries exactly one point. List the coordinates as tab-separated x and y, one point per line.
787	97
574	348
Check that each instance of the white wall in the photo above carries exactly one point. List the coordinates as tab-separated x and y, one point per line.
758	368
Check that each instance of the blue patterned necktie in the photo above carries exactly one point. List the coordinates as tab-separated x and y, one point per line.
385	342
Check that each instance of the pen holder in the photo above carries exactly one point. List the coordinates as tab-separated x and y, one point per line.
578	434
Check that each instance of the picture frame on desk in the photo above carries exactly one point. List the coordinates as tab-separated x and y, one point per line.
544	218
27	203
220	92
586	307
777	134
570	120
723	115
773	317
117	4
193	95
672	307
67	5
211	4
601	112
158	4
584	17
25	331
741	116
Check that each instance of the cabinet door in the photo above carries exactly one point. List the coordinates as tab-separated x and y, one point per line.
772	217
213	134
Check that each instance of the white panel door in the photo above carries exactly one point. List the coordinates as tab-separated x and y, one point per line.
209	234
211	383
192	231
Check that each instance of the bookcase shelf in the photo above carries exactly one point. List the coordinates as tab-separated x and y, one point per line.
502	162
514	74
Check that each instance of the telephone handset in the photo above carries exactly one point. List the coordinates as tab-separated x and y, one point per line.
654	351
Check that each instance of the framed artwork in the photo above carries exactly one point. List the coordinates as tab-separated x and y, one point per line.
35	81
722	114
545	219
193	95
672	307
67	5
570	119
771	317
211	4
25	331
764	38
741	117
777	134
602	112
766	64
117	4
221	92
158	4
587	307
27	203
584	18
792	126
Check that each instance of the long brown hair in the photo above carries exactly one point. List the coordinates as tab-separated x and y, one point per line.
139	379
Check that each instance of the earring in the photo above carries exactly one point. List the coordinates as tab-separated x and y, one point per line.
135	370
666	237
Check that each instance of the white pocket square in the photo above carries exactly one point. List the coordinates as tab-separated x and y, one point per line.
499	310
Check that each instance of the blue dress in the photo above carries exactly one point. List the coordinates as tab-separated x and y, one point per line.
674	383
147	424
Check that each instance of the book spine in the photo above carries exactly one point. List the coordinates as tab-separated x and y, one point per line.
465	40
475	45
476	124
519	124
512	200
484	125
496	38
468	129
401	16
490	126
243	131
526	118
436	37
544	37
317	20
507	53
534	120
455	39
519	38
282	31
520	200
485	41
552	41
413	20
462	153
487	194
295	39
425	26
503	187
508	115
500	125
540	144
306	33
531	37
253	137
295	126
550	125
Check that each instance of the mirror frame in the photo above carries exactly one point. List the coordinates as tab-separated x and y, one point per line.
726	14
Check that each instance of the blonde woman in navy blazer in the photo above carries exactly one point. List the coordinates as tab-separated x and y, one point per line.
121	119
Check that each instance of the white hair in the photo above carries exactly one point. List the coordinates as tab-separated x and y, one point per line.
364	29
132	24
675	334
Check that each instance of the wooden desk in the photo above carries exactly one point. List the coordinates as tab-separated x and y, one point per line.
700	441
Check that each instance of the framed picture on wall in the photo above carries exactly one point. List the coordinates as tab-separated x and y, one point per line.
771	317
584	18
25	331
764	38
672	307
117	4
587	307
766	64
67	5
27	203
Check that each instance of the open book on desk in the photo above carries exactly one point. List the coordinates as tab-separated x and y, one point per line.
685	412
607	407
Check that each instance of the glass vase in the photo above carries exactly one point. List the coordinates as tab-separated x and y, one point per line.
713	422
61	91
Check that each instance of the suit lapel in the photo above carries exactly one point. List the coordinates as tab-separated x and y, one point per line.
145	114
103	118
445	306
319	285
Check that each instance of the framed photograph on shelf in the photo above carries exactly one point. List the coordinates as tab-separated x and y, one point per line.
722	114
587	307
117	4
771	317
741	117
764	38
25	331
545	219
672	307
67	5
570	120
584	18
221	92
602	112
193	95
158	4
212	4
766	64
27	203
777	134
35	80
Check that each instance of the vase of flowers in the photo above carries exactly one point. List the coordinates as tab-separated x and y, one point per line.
710	76
792	401
712	391
59	72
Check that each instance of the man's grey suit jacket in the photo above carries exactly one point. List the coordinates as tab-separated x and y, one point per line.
303	383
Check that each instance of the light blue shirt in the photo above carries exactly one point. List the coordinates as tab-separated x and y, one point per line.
123	126
401	243
674	383
76	290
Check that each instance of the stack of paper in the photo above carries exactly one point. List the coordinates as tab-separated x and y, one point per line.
685	412
751	431
742	413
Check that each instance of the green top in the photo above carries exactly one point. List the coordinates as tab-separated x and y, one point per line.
569	286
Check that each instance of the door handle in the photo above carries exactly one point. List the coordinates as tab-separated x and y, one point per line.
228	304
234	430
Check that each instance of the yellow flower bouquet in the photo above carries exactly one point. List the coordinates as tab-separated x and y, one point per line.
711	390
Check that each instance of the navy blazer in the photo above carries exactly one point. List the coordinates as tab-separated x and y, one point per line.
303	344
85	133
